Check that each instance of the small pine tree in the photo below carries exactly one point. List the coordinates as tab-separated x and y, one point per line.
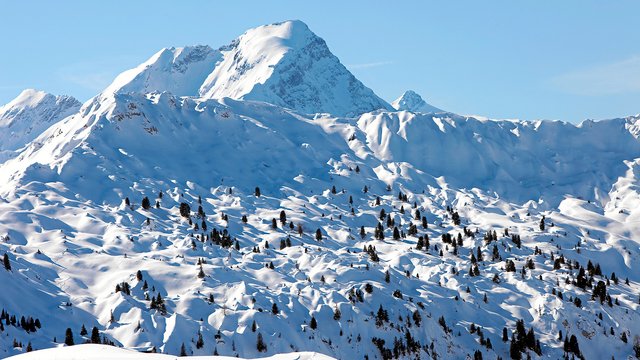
95	335
257	192
68	337
337	314
260	345
183	350
318	234
313	324
185	210
7	264
200	342
83	330
146	203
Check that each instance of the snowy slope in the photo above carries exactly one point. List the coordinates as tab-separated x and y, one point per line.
26	116
71	238
103	352
411	101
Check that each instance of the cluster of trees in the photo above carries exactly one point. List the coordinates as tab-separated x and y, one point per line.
28	324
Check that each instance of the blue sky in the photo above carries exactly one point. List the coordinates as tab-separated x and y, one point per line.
566	60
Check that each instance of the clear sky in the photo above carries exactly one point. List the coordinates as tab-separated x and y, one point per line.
566	60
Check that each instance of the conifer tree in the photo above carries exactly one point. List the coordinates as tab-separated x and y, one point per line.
313	324
7	264
185	210
68	337
146	203
318	234
200	342
95	335
260	345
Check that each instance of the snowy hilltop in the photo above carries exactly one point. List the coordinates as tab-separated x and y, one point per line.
258	200
411	101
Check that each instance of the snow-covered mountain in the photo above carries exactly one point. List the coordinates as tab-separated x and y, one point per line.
411	101
171	219
288	65
26	116
284	64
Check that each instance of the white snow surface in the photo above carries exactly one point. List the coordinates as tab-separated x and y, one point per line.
104	352
71	238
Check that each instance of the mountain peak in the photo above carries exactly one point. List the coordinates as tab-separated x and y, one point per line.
412	101
30	113
286	64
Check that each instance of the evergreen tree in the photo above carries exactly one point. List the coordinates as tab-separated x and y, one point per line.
200	342
318	234
260	345
274	309
257	192
146	203
185	210
95	335
83	331
7	264
68	337
313	324
337	314
183	350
